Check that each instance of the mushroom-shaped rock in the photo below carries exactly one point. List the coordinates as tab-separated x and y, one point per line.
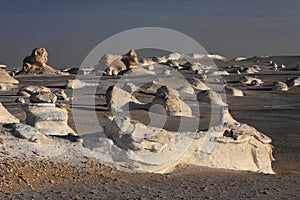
48	119
197	83
6	117
280	86
251	81
169	99
234	91
75	84
212	97
36	63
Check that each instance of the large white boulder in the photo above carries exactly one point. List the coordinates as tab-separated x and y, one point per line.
49	119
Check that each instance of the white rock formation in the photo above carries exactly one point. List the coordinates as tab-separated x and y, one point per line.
29	133
212	97
6	117
48	119
6	81
280	86
231	146
234	91
251	81
198	84
169	99
293	81
117	99
75	84
36	63
31	89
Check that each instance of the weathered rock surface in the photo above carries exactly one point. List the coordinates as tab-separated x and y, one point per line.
234	91
280	86
251	81
6	117
293	81
61	95
169	99
31	89
36	63
29	133
75	84
212	97
48	119
229	146
6	81
44	97
197	83
117	98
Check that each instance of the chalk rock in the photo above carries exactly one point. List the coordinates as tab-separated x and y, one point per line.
133	135
174	56
159	59
130	59
234	91
251	81
36	63
293	81
169	99
20	100
280	86
75	84
249	70
213	98
31	89
61	95
233	146
29	133
6	81
48	119
117	98
197	83
45	97
6	117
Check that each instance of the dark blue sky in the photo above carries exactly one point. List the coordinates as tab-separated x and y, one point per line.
70	29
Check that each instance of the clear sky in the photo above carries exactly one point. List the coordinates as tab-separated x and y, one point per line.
70	29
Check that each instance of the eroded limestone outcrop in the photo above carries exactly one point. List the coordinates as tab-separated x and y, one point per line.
49	119
36	63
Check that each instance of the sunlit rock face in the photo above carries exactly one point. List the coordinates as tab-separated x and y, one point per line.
48	118
6	81
6	117
36	63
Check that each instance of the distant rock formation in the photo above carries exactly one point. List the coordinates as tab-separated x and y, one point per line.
36	63
280	86
234	91
293	81
251	81
115	64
